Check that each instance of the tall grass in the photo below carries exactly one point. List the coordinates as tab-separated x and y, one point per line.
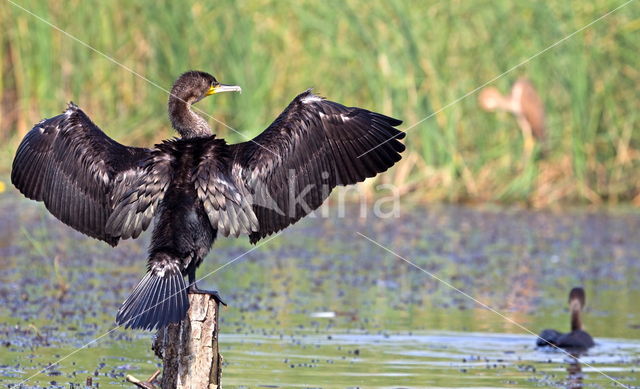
408	59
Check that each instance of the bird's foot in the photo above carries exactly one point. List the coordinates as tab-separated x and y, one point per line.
193	288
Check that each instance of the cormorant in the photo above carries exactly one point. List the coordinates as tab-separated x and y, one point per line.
577	339
197	186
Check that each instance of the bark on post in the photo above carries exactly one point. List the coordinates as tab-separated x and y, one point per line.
189	349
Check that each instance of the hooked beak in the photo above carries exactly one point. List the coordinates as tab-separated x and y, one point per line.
223	88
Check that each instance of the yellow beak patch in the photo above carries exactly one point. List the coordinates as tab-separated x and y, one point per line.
212	90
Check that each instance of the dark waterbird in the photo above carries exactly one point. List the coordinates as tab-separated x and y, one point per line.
577	339
197	186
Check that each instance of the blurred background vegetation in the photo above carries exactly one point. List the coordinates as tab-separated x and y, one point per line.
407	59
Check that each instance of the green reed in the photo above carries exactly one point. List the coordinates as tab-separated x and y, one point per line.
408	59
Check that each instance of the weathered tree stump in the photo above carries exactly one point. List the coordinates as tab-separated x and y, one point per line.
189	349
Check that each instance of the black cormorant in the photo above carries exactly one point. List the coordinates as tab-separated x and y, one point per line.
197	186
577	339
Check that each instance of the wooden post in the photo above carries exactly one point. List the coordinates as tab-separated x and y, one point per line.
189	349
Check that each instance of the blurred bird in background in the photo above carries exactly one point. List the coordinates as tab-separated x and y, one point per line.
525	104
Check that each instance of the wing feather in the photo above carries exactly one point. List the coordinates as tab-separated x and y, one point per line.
313	146
79	173
225	206
135	207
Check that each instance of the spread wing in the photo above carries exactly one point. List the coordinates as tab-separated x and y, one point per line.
81	174
314	145
227	209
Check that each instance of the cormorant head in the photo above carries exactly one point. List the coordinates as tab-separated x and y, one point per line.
577	296
188	89
194	86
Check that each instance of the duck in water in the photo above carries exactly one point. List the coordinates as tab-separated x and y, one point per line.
577	339
197	187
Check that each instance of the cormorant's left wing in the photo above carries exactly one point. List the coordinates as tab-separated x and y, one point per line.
315	144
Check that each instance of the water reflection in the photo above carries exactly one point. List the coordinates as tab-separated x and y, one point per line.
574	372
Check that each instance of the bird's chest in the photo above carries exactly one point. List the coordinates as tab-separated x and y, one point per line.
185	213
183	224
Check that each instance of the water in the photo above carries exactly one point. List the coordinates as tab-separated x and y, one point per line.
320	306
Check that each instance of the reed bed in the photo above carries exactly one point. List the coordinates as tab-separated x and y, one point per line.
408	59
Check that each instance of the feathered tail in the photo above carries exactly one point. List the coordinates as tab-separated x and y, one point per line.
159	298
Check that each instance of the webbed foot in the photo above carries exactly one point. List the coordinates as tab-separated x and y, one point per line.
193	288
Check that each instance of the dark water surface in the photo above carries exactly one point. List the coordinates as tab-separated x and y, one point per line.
320	306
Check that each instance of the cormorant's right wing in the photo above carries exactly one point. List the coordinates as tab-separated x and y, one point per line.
89	181
313	146
227	209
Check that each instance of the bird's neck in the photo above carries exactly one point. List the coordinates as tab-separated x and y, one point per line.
185	121
507	103
576	323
